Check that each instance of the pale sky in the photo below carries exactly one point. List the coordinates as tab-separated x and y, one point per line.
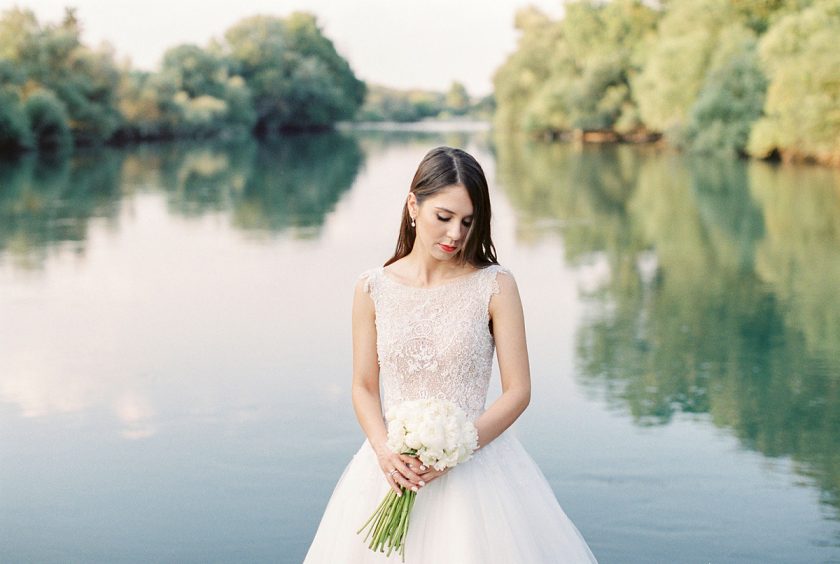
398	43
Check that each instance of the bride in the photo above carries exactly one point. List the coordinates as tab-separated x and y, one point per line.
425	325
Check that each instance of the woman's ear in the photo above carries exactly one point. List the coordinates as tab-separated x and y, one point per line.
412	204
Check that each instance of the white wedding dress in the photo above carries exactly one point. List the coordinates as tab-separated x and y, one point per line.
496	507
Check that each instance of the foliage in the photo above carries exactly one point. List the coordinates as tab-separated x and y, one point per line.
49	120
52	58
758	77
268	74
563	78
389	104
676	67
15	132
519	81
800	55
729	102
457	99
295	74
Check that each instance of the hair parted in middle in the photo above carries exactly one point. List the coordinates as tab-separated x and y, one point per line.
440	168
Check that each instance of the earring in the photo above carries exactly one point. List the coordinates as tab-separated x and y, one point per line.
412	222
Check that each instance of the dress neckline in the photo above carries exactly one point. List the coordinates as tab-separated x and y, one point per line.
426	288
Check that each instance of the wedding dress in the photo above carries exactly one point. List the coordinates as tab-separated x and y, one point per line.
496	507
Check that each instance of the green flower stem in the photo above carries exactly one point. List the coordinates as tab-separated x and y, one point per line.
375	513
380	520
399	533
386	523
405	529
404	517
393	529
394	523
379	514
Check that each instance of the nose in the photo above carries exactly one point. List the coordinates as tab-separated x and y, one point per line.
454	232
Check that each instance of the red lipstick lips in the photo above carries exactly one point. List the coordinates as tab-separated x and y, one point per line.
447	248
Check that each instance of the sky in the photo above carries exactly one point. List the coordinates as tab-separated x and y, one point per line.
398	43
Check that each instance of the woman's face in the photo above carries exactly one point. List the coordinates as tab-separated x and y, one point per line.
442	221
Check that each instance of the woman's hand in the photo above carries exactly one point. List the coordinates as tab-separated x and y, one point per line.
431	474
403	470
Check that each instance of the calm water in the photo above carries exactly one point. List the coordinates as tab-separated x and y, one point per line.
175	344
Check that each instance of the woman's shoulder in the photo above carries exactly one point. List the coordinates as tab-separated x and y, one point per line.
367	278
496	267
500	277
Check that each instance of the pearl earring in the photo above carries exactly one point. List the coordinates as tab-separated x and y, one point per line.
412	222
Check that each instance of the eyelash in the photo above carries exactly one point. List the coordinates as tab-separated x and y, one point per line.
444	219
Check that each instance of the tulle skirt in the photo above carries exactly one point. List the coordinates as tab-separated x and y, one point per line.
495	508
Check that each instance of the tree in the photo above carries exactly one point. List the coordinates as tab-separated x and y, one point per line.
49	120
575	72
676	67
457	99
801	118
731	98
52	58
297	78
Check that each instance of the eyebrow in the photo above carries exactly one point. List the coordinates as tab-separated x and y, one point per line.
450	211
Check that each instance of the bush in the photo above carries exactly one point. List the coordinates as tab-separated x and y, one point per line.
49	120
802	60
728	104
15	133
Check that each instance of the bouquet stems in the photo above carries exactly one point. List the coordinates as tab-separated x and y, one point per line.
389	522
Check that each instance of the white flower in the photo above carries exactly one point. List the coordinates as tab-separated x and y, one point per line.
436	429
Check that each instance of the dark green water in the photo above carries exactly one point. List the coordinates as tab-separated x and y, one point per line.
175	344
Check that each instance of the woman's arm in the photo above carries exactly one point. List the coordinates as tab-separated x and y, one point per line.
365	393
366	401
512	351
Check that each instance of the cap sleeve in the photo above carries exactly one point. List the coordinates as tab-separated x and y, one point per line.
494	282
370	281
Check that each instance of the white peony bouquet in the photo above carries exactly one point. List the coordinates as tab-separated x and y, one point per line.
438	433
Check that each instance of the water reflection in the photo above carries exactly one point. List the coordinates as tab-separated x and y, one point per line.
287	184
710	288
46	201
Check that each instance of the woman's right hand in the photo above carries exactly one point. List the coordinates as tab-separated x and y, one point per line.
402	470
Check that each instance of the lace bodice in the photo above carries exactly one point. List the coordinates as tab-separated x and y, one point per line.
434	342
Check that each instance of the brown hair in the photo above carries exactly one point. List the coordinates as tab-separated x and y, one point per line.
440	168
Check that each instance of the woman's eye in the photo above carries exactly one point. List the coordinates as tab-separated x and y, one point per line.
466	224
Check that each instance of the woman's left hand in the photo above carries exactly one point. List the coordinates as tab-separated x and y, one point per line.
431	474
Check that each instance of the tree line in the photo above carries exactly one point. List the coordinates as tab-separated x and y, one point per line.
267	74
390	104
748	77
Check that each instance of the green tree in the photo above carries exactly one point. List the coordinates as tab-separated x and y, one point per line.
560	78
210	98
527	71
800	55
729	103
197	71
297	78
49	120
389	104
457	99
15	132
52	57
676	67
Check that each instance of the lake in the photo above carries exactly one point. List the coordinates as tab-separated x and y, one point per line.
175	354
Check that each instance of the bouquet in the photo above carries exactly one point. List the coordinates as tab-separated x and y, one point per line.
438	433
